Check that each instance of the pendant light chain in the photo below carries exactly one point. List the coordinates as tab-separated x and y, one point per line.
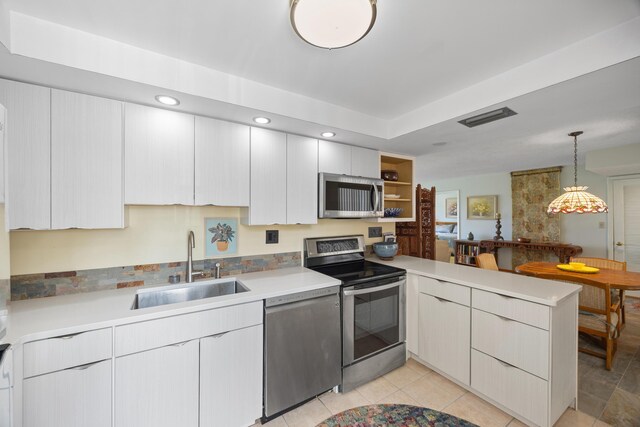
575	160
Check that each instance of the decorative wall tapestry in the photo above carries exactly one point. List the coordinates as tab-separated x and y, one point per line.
531	192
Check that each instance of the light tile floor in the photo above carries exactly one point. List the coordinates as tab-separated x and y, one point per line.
611	397
415	384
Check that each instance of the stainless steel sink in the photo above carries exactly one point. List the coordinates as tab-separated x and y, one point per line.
188	292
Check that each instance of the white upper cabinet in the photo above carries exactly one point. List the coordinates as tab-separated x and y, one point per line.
268	178
365	162
222	156
334	158
86	161
3	121
302	180
159	153
347	160
28	155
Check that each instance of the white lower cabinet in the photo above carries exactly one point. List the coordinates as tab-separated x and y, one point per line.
412	313
158	388
445	336
231	378
518	354
75	397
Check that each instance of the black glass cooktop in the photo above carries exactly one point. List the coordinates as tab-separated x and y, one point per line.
355	272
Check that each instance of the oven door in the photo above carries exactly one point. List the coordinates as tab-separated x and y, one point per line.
373	318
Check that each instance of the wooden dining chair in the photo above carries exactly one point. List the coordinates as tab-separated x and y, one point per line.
611	265
487	261
597	316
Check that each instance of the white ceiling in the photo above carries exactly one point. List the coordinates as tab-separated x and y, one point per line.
419	53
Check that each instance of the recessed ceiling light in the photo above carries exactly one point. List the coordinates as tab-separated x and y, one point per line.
328	134
262	120
167	100
439	144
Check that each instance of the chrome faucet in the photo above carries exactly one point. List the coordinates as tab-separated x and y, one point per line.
190	245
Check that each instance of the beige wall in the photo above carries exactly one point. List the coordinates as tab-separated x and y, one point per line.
157	234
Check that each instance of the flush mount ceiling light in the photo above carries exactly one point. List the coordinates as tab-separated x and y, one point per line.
488	117
328	134
332	24
576	199
167	100
262	120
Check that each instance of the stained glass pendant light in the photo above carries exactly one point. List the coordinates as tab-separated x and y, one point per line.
576	199
332	24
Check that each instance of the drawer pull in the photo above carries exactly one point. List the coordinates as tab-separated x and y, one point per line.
441	299
506	319
83	367
180	344
505	364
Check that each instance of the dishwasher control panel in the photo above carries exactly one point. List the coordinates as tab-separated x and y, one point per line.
301	296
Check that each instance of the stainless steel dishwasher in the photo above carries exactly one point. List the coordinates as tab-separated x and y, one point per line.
302	348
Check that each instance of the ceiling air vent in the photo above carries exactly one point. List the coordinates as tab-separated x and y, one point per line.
491	116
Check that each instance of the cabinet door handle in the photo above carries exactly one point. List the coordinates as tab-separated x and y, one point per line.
180	344
220	335
69	336
441	299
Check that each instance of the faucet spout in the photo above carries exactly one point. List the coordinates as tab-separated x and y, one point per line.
191	243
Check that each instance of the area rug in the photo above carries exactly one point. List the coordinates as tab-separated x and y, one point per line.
393	415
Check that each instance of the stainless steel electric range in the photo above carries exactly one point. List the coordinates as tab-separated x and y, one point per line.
373	307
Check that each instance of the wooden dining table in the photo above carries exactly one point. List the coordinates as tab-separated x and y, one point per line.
618	279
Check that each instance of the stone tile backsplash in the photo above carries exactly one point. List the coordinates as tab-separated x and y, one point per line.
5	292
41	285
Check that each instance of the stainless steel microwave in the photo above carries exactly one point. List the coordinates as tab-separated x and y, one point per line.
344	196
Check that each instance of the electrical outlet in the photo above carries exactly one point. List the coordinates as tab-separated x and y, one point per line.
272	237
375	231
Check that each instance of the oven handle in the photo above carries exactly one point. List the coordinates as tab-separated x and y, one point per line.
370	290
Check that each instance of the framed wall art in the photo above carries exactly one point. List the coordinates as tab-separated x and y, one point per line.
221	236
451	207
482	207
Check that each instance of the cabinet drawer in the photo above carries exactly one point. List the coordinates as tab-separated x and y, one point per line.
176	329
512	308
513	388
445	290
523	346
54	354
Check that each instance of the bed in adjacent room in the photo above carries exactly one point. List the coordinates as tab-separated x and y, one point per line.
447	231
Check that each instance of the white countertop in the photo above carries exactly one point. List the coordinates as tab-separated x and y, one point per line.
540	291
47	317
53	316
